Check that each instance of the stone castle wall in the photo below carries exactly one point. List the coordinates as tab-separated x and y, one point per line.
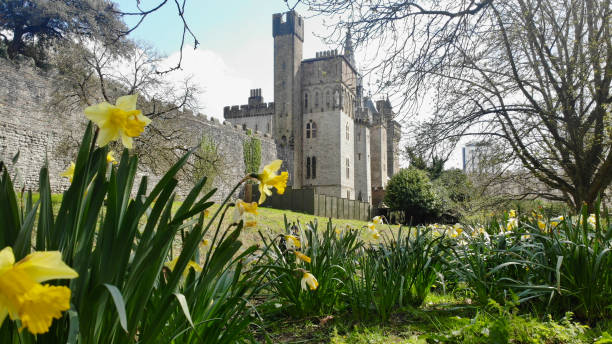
27	126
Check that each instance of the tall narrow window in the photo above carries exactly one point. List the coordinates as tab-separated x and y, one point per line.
314	130
348	194
308	130
316	103
359	136
348	168
358	156
308	168
313	166
305	102
347	131
328	99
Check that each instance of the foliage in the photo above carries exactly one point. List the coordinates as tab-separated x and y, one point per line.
119	244
208	162
554	266
328	253
251	148
411	191
398	272
37	23
455	192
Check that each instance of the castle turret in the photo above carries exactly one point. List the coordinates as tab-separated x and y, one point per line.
288	33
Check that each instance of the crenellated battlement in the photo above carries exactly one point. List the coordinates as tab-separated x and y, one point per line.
326	53
255	107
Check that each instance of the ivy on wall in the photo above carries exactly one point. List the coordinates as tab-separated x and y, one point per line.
251	148
208	162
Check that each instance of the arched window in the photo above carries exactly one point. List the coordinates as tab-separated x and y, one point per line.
328	100
313	166
316	104
347	131
284	140
308	168
308	130
359	136
305	102
314	130
268	130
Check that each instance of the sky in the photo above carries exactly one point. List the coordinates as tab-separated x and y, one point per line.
235	52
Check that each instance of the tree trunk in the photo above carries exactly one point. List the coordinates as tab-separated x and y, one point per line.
15	47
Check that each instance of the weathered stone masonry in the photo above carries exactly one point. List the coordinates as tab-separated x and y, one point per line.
26	125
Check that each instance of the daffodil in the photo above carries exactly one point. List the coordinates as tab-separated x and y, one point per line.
541	225
69	173
191	265
268	179
512	223
246	212
309	281
110	158
204	243
555	222
292	242
377	220
119	120
23	297
591	220
302	256
512	213
372	232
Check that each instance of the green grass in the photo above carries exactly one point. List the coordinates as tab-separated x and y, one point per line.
443	319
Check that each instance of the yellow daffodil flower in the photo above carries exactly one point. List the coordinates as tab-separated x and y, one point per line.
555	221
309	281
23	297
268	179
204	243
541	225
591	220
246	212
377	220
302	256
191	265
292	242
372	232
512	223
512	213
69	173
110	158
119	120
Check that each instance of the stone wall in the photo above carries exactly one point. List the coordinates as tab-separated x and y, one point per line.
27	126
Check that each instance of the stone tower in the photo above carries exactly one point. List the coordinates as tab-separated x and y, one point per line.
288	33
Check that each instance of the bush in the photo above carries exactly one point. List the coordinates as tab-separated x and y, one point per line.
411	192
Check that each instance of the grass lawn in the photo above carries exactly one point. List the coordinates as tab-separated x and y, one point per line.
442	319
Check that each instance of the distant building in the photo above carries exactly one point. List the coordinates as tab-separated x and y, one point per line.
330	136
474	156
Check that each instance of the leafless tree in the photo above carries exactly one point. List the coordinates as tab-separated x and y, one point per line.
534	74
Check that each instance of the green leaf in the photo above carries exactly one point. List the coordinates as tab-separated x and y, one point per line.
119	304
183	302
73	330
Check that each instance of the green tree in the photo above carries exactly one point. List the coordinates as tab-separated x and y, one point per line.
38	22
455	192
411	192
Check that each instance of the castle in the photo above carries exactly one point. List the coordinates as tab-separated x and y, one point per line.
330	136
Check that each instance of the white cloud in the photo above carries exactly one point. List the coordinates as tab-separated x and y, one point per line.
220	84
